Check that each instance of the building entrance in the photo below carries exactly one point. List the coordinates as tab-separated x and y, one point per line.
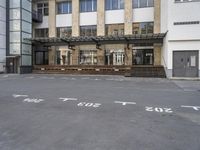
185	63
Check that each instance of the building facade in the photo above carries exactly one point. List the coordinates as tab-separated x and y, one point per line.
110	34
16	25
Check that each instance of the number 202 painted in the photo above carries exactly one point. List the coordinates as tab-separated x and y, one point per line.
157	109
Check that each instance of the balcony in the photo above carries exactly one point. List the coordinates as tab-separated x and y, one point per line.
37	17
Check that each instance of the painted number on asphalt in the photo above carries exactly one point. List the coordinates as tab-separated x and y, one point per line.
33	100
84	104
157	109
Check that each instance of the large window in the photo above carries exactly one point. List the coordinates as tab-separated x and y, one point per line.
115	29
143	57
88	5
64	7
43	8
88	57
41	58
64	32
114	57
88	30
143	28
143	3
114	4
42	32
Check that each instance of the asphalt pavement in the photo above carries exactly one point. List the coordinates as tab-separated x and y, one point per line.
72	112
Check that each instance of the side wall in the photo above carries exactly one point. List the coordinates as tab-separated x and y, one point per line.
2	35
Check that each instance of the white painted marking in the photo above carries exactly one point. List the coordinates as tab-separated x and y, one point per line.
85	104
33	100
158	109
68	99
18	95
125	103
197	108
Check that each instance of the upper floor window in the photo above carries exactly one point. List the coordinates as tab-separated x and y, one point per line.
187	0
143	3
88	30
64	32
42	32
143	28
115	29
114	4
88	5
43	8
64	7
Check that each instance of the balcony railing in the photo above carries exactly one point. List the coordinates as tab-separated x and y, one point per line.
37	17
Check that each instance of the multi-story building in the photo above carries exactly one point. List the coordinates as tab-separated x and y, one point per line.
106	36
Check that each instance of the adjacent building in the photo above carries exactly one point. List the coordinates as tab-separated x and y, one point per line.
135	37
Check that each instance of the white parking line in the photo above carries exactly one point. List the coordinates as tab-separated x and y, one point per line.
68	99
18	95
125	103
197	108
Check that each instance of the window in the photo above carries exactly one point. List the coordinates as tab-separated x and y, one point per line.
114	4
88	30
143	28
88	57
43	8
42	32
64	7
115	29
41	58
88	5
179	1
143	3
114	57
64	32
143	57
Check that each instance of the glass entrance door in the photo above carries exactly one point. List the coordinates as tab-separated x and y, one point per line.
143	57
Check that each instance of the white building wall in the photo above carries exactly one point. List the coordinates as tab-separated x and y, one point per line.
89	18
44	24
2	35
143	14
114	16
64	20
179	37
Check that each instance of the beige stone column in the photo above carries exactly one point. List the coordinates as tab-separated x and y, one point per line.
52	30
75	56
100	17
75	18
157	19
157	54
157	29
128	55
101	57
128	17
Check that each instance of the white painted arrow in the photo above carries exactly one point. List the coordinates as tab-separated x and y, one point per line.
197	108
125	103
17	95
68	99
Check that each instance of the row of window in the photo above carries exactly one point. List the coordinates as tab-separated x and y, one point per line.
90	57
91	6
111	29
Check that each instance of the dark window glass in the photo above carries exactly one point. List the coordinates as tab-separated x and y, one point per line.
64	32
64	7
88	5
41	58
88	30
143	3
43	8
143	57
143	28
115	29
42	32
114	4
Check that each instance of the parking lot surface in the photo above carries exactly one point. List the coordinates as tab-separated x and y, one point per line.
68	112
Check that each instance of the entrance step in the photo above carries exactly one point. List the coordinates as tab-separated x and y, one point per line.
148	71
